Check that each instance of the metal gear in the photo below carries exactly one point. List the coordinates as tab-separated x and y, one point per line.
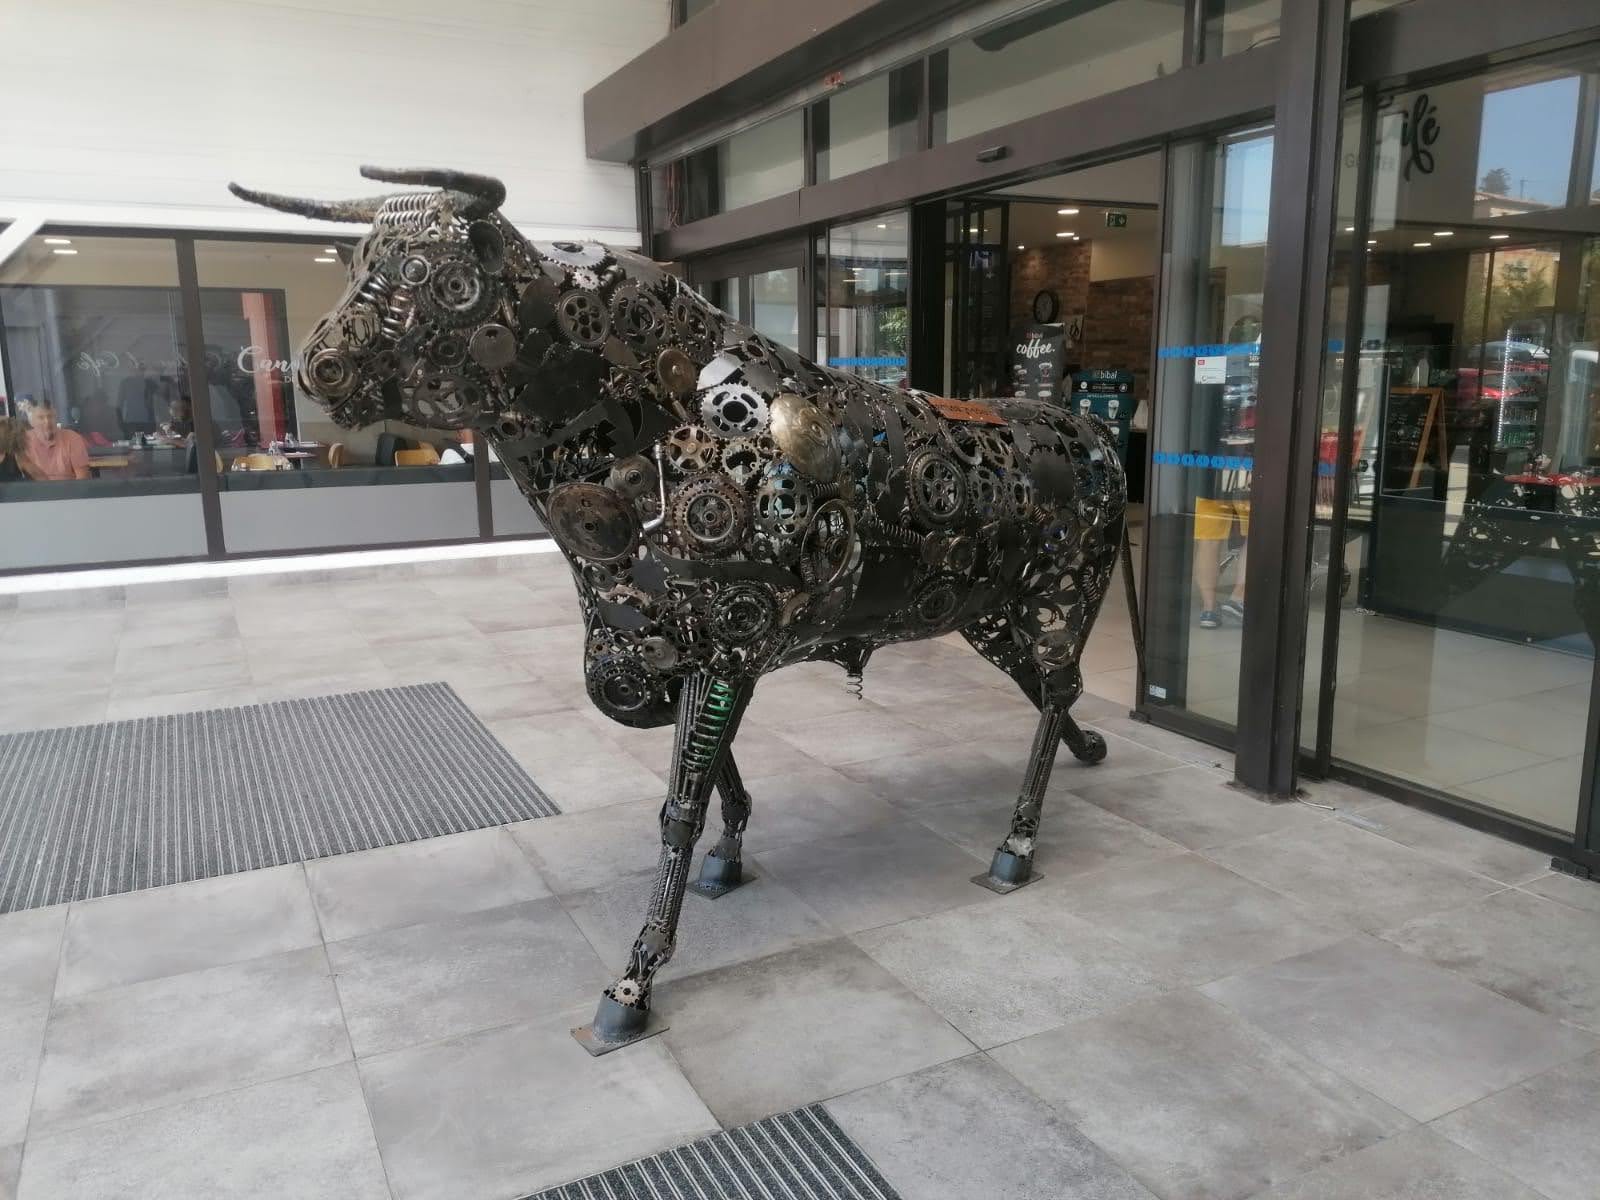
572	254
592	522
619	687
690	448
989	495
633	478
456	291
784	503
707	515
745	458
742	613
637	316
583	318
936	488
733	410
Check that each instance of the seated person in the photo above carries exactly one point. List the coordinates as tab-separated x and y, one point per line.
55	453
14	464
459	451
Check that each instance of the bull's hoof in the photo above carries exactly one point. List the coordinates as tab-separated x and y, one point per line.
616	1025
1091	749
719	876
1007	873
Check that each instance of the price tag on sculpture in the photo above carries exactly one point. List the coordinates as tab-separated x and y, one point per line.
966	410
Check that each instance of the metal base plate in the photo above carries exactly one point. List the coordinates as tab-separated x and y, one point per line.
716	890
586	1038
1001	886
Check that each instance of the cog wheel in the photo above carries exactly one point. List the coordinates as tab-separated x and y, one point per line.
708	514
784	503
741	613
572	254
592	522
965	445
936	488
456	292
583	318
745	458
690	448
633	478
936	602
733	410
637	316
619	687
991	498
447	401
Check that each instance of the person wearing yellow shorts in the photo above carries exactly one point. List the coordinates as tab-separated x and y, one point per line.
1213	525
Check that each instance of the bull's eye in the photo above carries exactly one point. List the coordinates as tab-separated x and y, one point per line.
361	325
415	270
333	375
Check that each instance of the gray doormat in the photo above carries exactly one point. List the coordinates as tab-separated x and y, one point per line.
800	1155
98	809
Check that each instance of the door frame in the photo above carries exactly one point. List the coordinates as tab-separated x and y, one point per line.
776	255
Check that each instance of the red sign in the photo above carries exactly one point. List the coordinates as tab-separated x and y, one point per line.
966	410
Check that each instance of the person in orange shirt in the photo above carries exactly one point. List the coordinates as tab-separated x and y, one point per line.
54	453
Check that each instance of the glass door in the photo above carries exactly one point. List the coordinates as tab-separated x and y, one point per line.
760	287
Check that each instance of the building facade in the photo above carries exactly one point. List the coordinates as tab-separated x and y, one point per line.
1332	267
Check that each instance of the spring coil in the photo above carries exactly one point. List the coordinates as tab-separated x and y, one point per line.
709	726
398	313
893	535
404	211
827	491
854	683
377	289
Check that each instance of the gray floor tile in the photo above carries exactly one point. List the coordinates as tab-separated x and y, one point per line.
402	987
185	927
771	1035
421	881
1195	1101
1075	836
1003	971
1454	843
576	764
804	805
306	1137
124	1050
1350	875
21	1039
1415	1165
1191	918
967	1128
879	875
940	775
10	1169
1124	759
1542	1130
1421	1038
851	737
759	919
30	949
1521	946
1193	807
1576	893
514	1110
594	848
1176	745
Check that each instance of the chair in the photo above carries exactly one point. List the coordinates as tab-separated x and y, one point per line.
259	462
388	443
336	454
427	456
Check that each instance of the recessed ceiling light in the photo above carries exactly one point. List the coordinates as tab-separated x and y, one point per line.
1066	212
1420	245
1444	233
1349	228
58	241
1021	247
1066	233
59	250
330	250
1372	241
883	224
1498	237
319	259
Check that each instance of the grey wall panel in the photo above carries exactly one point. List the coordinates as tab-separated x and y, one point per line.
107	529
511	512
294	518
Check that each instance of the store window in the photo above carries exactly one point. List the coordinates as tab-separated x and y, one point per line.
755	164
863	322
291	478
1471	442
1049	57
867	124
1235	26
100	464
1203	439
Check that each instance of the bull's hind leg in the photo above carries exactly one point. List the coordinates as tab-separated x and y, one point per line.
1012	865
722	869
709	709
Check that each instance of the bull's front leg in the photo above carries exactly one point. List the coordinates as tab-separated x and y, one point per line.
709	709
722	869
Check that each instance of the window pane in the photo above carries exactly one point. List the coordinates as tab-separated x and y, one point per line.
1051	57
748	167
96	368
775	305
1205	418
867	124
865	315
291	477
1233	26
1466	635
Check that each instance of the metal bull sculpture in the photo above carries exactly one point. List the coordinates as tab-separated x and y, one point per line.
727	507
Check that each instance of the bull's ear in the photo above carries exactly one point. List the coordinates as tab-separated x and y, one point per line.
489	244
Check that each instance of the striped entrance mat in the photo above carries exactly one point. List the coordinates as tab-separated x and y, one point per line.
98	809
800	1155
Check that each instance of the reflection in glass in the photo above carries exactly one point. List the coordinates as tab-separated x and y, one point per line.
1234	26
753	165
1052	56
866	124
862	313
775	305
1472	447
1205	418
91	337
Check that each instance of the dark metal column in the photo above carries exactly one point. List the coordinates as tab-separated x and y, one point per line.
194	337
1305	167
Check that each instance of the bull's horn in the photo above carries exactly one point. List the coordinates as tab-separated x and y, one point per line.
326	210
483	193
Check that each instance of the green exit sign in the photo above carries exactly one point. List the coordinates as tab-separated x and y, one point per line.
1116	220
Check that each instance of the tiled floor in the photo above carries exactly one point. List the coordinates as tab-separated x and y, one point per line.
1204	996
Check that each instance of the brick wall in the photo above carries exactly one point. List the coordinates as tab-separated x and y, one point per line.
1118	326
1064	269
